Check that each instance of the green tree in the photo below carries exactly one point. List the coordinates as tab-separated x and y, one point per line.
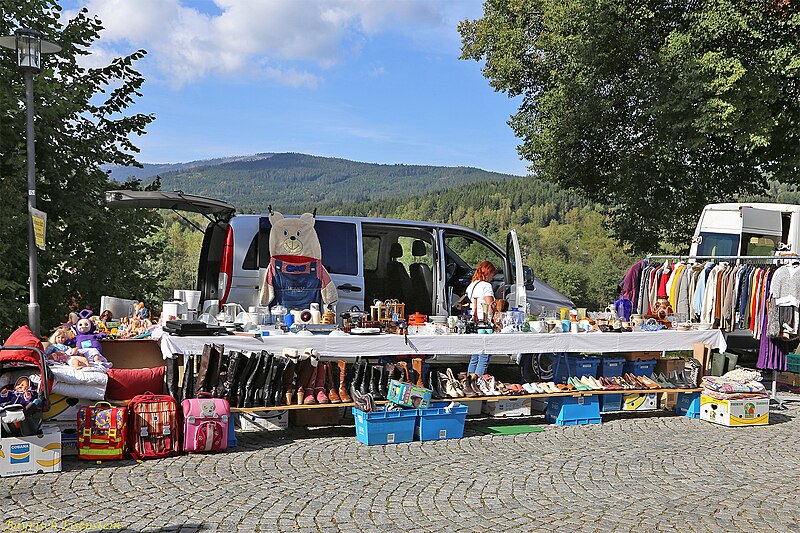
651	108
80	124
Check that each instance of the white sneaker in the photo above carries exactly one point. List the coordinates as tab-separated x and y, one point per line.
529	388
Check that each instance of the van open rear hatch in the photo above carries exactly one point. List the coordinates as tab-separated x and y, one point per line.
177	201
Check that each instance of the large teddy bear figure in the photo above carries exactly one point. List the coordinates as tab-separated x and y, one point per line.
295	277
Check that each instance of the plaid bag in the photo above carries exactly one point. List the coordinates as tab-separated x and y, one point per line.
153	426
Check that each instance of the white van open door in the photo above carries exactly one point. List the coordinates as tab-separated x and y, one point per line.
761	222
518	297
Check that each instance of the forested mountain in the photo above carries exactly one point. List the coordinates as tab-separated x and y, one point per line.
291	182
149	170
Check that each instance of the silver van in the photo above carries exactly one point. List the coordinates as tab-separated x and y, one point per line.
426	265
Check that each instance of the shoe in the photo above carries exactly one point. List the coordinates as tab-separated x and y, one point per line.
466	385
343	395
275	383
358	377
584	380
236	362
319	380
492	384
551	387
405	375
456	384
416	364
306	377
575	384
254	377
287	384
265	390
375	385
649	383
529	388
330	385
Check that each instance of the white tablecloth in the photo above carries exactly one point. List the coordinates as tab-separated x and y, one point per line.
511	344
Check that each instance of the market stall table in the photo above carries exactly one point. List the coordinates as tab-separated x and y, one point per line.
437	347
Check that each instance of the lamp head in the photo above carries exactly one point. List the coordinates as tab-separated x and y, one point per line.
29	46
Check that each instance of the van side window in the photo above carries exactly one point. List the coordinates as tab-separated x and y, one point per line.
251	257
372	246
337	239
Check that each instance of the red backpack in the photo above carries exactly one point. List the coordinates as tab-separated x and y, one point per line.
153	427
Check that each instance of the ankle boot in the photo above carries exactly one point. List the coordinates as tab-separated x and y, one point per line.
249	365
330	383
202	369
275	396
355	384
254	378
232	374
187	391
342	387
416	364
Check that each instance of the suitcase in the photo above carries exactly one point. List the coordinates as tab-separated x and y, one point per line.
153	426
102	431
205	423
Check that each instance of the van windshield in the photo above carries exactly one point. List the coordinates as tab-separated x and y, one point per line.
714	244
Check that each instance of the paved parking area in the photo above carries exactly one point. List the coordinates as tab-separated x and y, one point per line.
655	472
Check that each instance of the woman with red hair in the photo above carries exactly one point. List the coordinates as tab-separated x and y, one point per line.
480	291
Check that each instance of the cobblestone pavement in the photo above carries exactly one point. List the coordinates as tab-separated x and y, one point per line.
657	472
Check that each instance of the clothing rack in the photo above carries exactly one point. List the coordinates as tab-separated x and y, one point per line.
773	392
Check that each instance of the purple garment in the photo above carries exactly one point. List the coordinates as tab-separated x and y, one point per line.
630	283
771	352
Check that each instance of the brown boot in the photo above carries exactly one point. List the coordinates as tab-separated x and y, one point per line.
342	386
288	381
416	364
305	386
318	382
402	366
330	384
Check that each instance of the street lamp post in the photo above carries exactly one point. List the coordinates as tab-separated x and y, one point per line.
29	47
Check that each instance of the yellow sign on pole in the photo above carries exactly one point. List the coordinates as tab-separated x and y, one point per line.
39	227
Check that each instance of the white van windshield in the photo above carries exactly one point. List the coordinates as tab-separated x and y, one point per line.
714	244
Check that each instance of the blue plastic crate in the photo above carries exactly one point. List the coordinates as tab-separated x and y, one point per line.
640	368
570	365
611	367
385	427
439	423
610	402
573	411
688	404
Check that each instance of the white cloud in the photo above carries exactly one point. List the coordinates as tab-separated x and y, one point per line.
290	41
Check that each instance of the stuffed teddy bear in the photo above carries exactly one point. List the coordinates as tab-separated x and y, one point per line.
295	277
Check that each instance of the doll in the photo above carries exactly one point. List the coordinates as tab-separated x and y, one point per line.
21	394
87	342
58	351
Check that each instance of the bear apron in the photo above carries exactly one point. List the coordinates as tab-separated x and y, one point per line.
297	285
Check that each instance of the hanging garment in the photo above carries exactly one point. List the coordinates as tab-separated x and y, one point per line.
771	352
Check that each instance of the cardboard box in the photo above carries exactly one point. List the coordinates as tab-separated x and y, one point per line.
640	356
640	401
665	365
262	421
69	435
789	378
748	412
408	395
702	354
64	408
39	454
474	408
319	416
508	407
668	400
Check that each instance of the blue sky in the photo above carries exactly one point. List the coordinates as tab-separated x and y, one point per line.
376	81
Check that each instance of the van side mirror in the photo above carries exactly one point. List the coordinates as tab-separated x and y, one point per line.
527	277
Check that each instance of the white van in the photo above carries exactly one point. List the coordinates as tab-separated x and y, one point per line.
426	265
746	229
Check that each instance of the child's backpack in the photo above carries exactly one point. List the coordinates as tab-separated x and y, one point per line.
205	423
153	426
101	432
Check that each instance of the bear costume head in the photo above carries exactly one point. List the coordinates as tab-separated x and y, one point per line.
296	277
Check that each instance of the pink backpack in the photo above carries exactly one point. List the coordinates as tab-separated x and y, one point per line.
205	423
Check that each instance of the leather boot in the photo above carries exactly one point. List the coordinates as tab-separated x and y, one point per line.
402	367
232	374
254	378
260	396
222	375
305	388
275	389
202	369
330	383
342	387
383	381
249	363
187	391
173	375
287	387
375	372
355	384
214	367
320	383
416	364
